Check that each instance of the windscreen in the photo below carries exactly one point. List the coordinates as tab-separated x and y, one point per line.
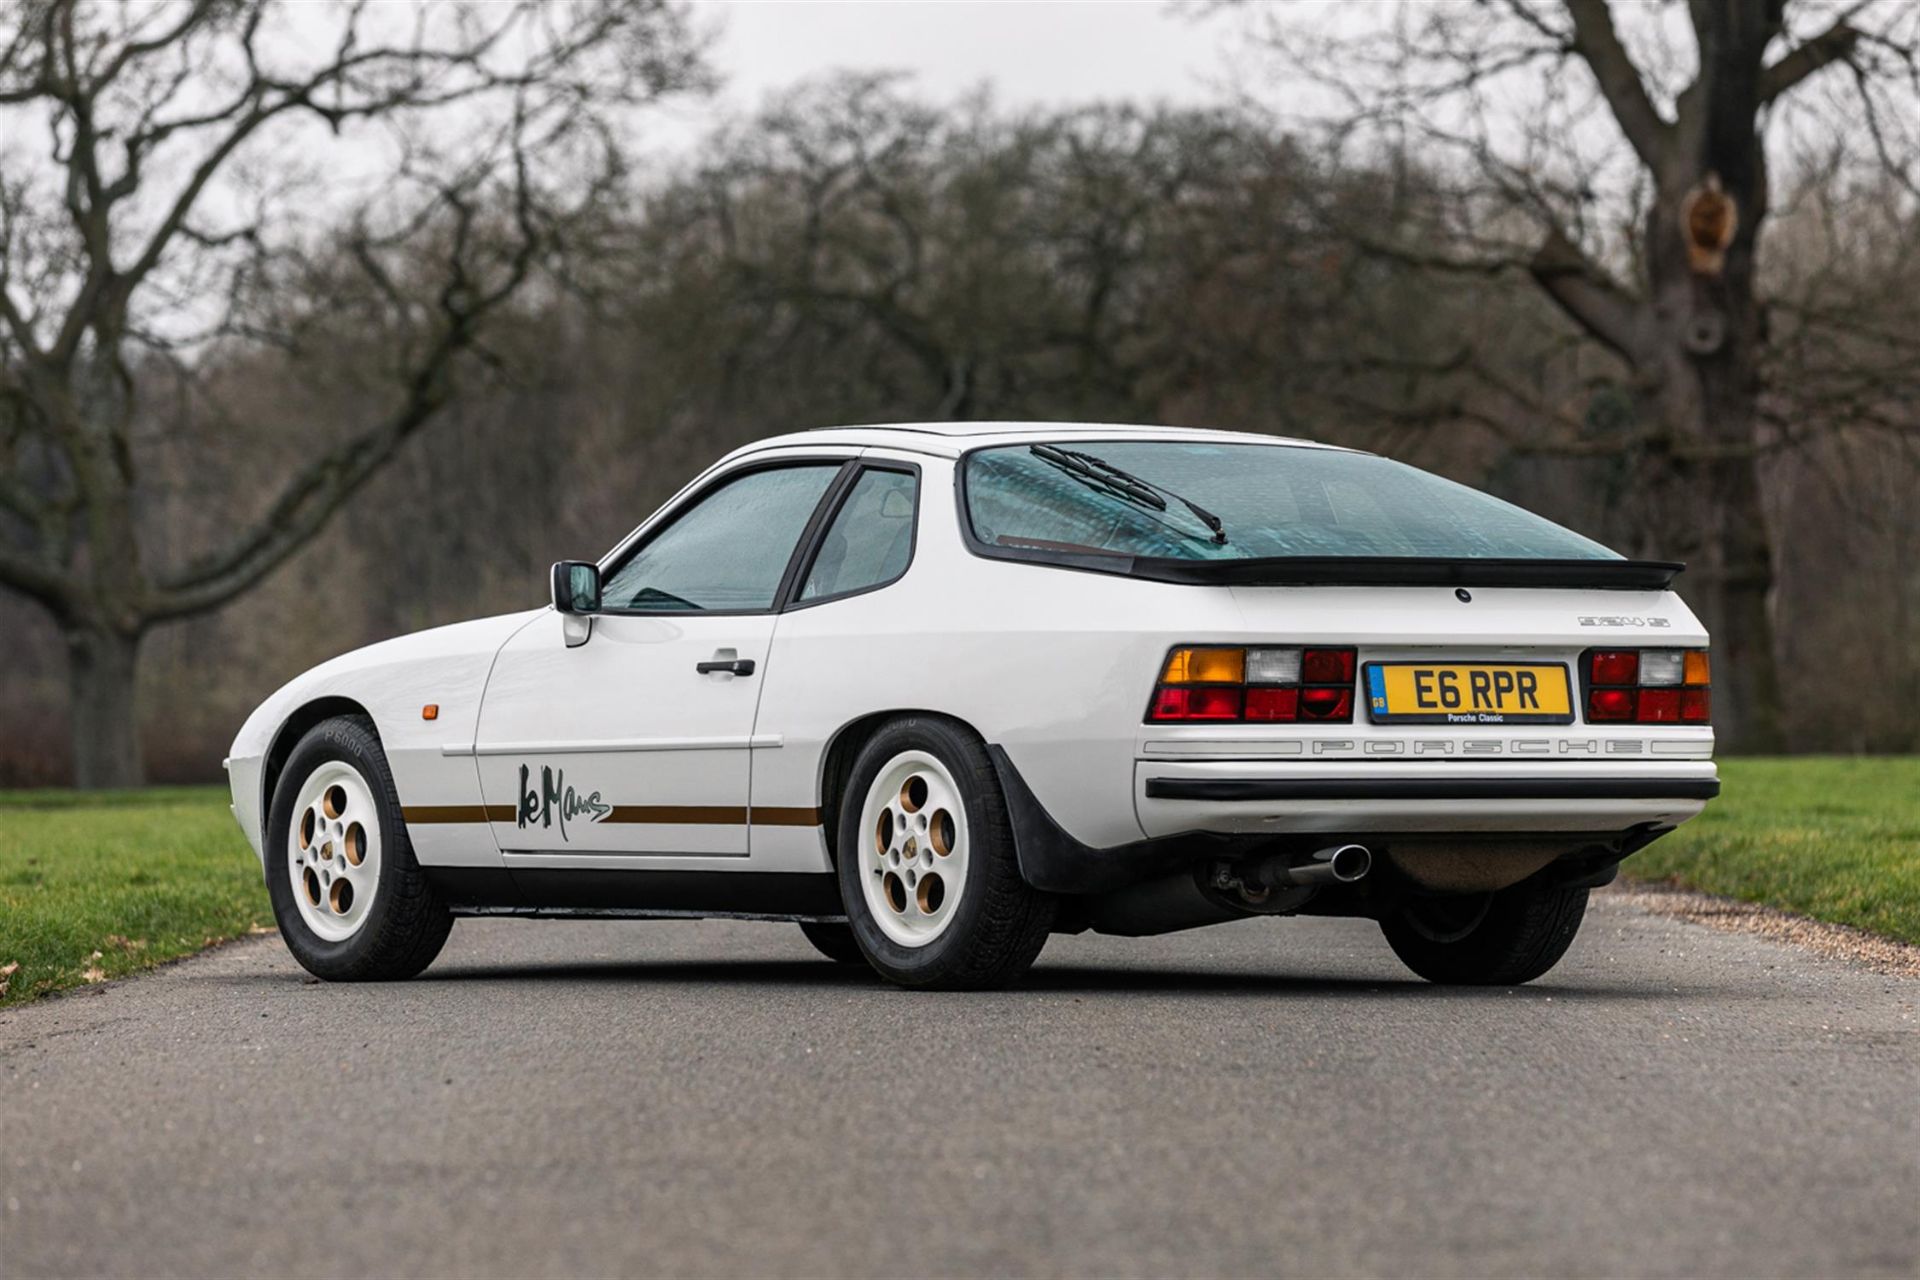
1164	498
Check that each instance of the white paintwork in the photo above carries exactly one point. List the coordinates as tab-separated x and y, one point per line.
392	681
636	676
1055	666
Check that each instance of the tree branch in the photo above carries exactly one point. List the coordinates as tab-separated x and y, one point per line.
1834	44
1598	44
1585	293
33	576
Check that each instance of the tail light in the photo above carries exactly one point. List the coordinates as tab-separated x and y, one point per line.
1255	686
1648	686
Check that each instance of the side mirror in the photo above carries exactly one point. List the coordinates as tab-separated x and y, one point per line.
576	587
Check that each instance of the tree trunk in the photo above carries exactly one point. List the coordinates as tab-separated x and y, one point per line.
106	729
1747	711
1706	339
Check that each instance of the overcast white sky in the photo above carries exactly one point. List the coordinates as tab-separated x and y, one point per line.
1042	53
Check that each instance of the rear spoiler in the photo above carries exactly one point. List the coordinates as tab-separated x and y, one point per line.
1400	571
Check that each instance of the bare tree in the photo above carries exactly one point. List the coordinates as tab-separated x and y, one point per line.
1619	156
971	263
184	179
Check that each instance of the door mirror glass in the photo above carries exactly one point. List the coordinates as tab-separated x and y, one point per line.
576	587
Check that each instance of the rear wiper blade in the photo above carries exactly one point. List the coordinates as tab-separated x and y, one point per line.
1079	468
1128	485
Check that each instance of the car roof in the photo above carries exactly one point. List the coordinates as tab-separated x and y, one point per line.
950	439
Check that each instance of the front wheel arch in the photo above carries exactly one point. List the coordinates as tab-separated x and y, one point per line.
408	923
296	726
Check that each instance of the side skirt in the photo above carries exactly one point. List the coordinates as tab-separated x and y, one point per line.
637	913
626	894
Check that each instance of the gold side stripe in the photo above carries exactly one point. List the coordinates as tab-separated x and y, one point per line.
416	814
692	815
766	815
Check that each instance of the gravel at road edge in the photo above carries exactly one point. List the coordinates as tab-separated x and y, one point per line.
1730	915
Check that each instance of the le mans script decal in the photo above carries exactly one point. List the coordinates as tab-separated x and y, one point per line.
539	806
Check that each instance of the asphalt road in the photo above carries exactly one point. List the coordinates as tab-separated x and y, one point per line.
1266	1097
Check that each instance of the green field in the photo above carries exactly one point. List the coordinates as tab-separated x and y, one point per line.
1836	838
97	885
94	886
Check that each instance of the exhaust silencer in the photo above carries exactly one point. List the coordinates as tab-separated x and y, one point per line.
1337	864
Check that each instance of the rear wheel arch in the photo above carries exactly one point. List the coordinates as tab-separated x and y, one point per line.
294	728
843	748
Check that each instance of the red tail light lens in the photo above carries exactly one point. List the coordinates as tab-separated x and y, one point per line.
1616	667
1659	706
1610	704
1203	702
1648	686
1273	704
1327	704
1262	685
1327	666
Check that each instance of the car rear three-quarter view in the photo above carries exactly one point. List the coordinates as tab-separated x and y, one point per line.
937	692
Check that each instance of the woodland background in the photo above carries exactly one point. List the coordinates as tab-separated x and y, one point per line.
857	254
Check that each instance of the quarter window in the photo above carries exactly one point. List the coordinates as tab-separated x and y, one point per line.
728	551
870	539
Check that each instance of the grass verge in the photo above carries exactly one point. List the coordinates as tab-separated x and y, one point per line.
1835	838
98	885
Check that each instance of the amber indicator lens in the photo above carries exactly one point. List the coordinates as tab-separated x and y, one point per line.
1205	666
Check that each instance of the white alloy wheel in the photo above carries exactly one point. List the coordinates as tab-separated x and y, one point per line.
913	857
333	851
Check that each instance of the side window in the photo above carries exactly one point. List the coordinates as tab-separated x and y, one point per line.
870	539
728	550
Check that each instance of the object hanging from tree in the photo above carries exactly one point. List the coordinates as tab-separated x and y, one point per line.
1708	219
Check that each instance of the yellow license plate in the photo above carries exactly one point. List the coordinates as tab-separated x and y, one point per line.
1468	693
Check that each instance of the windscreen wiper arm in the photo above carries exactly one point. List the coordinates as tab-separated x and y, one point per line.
1127	485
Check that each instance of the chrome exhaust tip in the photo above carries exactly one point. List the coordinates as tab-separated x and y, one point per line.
1336	864
1347	862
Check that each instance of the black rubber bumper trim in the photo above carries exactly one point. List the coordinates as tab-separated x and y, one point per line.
1237	789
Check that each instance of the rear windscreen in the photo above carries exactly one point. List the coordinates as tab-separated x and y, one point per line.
1138	498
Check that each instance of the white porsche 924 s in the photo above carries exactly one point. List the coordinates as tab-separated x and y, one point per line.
934	692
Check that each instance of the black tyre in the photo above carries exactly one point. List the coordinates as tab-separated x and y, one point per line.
927	869
1496	939
352	902
834	941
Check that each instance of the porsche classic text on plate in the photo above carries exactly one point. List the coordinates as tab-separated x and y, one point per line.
935	692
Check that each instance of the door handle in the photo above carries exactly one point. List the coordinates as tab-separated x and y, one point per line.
733	666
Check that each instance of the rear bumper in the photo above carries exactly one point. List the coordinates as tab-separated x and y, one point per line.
1193	811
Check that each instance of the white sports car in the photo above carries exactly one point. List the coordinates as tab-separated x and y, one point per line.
934	692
